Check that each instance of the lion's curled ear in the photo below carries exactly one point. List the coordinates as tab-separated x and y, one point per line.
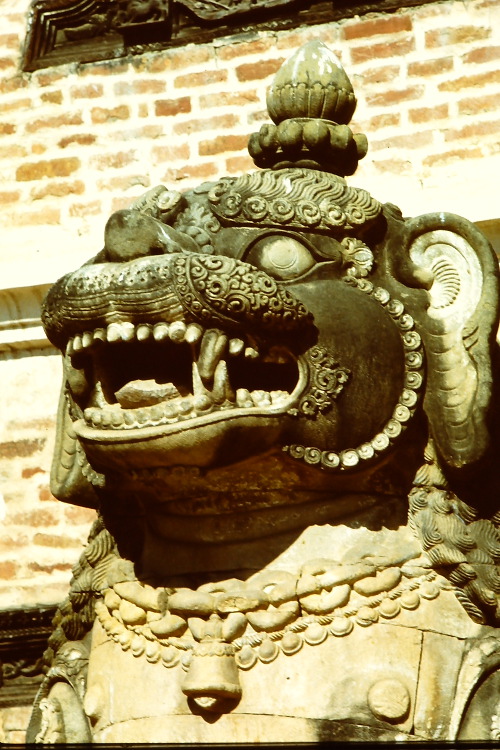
458	328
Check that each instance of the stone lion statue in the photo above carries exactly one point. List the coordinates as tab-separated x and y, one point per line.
280	396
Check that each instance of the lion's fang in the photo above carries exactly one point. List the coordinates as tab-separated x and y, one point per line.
212	347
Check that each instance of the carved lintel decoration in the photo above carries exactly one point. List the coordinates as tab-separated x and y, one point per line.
23	640
62	31
20	323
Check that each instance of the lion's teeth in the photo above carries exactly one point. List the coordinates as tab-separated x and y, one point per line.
198	387
236	346
222	390
193	333
100	334
160	332
251	353
98	395
120	332
213	345
261	398
69	348
143	332
243	398
278	397
87	339
202	403
177	331
77	344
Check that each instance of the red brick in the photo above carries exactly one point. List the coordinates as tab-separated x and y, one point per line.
397	48
214	123
394	24
55	540
455	35
478	104
258	70
255	47
90	91
379	75
171	107
473	130
143	109
426	68
82	139
58	189
7	128
9	40
132	134
31	471
52	168
464	82
394	166
228	99
47	78
425	114
200	171
104	68
77	515
174	59
35	218
124	182
391	119
38	148
61	121
85	209
394	97
239	164
223	143
481	55
9	196
170	153
37	568
12	151
129	88
460	154
7	62
112	161
17	104
8	570
100	114
121	202
415	140
204	78
12	84
35	518
21	448
259	116
45	495
52	97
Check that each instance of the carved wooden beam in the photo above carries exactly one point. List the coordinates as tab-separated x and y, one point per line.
61	31
23	639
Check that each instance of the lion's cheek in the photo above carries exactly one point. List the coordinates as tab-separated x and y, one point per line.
364	340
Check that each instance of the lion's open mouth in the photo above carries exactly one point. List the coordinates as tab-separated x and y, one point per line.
130	376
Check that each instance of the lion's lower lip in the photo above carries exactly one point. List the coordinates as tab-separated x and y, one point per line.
130	377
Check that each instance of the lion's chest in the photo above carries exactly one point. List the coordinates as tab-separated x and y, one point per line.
379	681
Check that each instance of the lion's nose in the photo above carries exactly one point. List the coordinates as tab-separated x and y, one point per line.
130	234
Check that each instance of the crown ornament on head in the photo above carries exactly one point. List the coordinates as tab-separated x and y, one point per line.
311	101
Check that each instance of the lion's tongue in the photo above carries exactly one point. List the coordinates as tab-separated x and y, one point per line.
138	393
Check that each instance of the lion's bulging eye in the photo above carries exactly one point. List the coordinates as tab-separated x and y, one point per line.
281	257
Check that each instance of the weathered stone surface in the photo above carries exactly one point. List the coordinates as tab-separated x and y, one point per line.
262	376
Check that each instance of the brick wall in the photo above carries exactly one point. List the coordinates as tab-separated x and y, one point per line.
79	141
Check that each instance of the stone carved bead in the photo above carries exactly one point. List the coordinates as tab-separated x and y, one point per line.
389	700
